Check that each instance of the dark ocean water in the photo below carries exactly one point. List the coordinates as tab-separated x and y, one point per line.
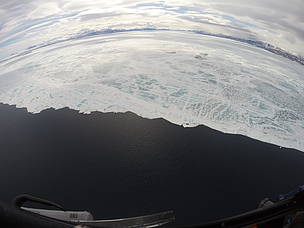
119	165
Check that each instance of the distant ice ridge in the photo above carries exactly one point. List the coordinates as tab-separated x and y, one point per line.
183	77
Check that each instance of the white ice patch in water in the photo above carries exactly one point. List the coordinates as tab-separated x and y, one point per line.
184	78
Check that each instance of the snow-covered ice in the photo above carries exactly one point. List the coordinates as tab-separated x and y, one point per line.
183	77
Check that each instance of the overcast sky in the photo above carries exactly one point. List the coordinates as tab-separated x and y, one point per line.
24	23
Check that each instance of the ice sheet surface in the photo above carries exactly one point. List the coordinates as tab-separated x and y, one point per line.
185	78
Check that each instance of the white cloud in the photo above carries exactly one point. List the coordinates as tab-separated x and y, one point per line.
79	73
278	22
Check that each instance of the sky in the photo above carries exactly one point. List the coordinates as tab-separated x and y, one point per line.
46	61
33	22
264	90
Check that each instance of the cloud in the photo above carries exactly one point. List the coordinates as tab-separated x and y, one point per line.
36	21
47	60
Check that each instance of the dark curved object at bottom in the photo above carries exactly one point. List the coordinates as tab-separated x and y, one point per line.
270	216
15	216
20	200
12	217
